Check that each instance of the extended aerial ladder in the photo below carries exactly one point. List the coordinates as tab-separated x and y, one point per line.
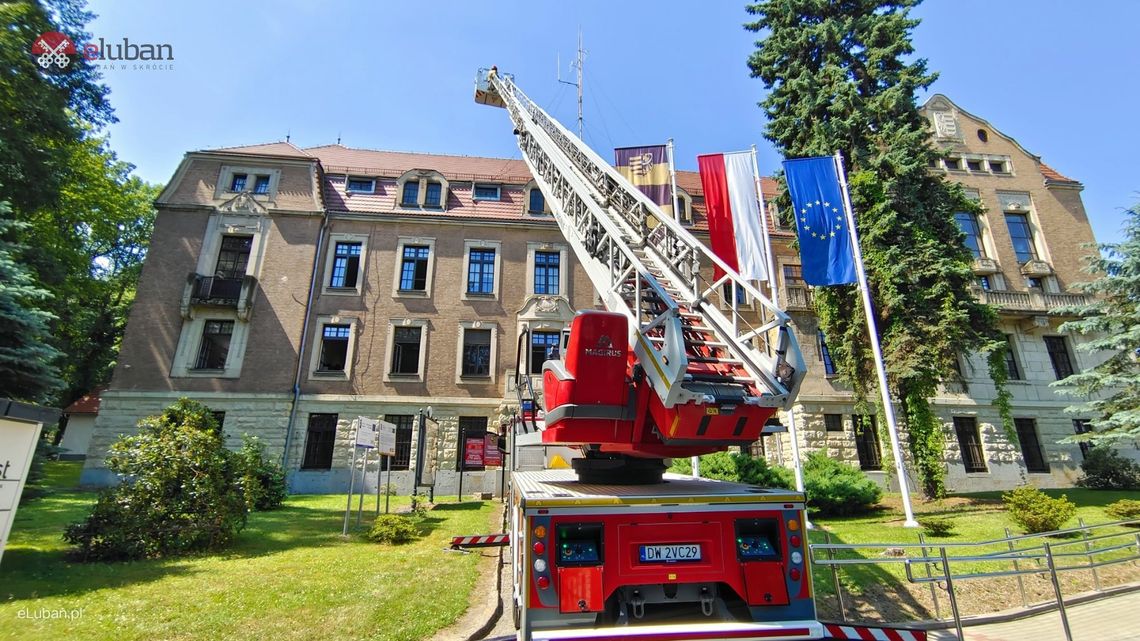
699	371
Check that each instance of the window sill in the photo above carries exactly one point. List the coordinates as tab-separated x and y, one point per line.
401	376
330	373
412	293
480	295
315	469
483	200
341	291
476	378
976	473
353	192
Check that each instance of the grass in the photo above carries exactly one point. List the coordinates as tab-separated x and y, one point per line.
974	518
290	576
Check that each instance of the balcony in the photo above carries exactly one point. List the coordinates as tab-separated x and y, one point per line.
1031	302
798	298
215	291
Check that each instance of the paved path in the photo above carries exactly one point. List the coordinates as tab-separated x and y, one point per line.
1115	618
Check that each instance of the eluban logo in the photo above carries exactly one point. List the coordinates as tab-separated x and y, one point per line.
55	51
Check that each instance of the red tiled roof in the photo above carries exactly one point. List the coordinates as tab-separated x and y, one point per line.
270	148
86	404
341	159
1053	174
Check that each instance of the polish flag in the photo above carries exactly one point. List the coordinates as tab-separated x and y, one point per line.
735	225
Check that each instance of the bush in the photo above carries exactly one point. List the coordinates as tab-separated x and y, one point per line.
1106	469
180	491
1035	511
262	480
1124	510
836	489
739	468
393	529
934	526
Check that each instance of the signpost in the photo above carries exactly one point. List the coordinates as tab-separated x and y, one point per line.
472	457
386	438
366	437
19	432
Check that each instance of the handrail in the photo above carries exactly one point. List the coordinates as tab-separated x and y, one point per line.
1054	533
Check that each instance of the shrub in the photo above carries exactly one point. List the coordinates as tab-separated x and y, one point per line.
935	526
393	529
262	480
1035	511
420	505
180	491
739	468
1124	510
1106	469
835	488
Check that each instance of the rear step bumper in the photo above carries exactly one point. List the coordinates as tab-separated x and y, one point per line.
785	631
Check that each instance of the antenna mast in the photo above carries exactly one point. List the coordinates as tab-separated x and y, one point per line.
578	65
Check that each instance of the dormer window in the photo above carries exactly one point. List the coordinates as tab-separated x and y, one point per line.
536	204
361	185
237	183
433	197
411	194
423	188
482	191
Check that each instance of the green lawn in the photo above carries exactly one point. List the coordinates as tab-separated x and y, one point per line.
290	576
976	517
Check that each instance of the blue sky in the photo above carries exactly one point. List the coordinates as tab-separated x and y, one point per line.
1061	77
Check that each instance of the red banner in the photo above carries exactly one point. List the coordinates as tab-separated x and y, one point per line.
492	455
473	453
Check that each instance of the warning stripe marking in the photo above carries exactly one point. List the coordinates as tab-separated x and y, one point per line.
865	633
483	540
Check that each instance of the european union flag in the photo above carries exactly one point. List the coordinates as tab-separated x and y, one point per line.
817	199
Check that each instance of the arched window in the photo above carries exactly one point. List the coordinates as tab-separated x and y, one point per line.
423	188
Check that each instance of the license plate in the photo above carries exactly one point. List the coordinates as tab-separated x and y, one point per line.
670	553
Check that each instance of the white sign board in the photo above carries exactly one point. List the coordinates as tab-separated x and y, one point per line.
366	429
387	436
17	445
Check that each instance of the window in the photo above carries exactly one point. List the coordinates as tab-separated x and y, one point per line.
954	163
1081	426
970	442
233	257
434	195
540	344
403	458
334	348
319	441
997	166
411	193
414	268
1022	236
476	352
215	346
833	422
726	294
1059	356
471	428
406	350
1034	282
867	443
237	182
824	354
485	192
984	283
1030	445
346	265
968	223
537	203
547	266
983	135
361	185
261	185
974	165
1011	360
481	271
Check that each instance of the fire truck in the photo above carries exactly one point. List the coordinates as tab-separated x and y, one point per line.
686	358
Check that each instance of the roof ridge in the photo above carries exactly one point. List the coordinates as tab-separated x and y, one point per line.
411	153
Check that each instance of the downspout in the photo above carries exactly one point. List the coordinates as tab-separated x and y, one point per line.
304	339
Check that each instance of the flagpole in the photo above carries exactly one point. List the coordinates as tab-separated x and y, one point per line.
797	464
673	181
880	369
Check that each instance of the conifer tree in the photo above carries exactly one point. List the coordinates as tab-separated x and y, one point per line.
1112	322
840	77
27	369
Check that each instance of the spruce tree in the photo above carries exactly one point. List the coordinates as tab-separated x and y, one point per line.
1112	323
840	77
27	368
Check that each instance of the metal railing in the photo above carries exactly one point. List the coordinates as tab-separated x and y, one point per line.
1028	555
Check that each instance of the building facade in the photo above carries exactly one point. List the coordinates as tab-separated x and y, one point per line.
292	290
